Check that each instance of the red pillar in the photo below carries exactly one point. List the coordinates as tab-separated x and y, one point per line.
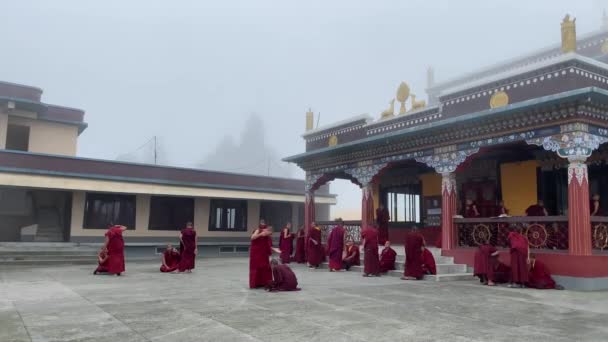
579	217
448	210
309	210
367	206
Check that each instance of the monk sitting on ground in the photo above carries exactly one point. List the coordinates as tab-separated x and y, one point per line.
170	259
283	278
351	255
537	209
387	258
428	262
102	260
540	277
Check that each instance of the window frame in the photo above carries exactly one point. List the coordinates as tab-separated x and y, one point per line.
406	193
228	206
173	211
105	197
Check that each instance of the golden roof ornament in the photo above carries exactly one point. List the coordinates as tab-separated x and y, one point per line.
390	112
310	120
403	92
417	104
568	34
499	99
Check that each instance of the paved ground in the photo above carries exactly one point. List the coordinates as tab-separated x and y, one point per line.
214	304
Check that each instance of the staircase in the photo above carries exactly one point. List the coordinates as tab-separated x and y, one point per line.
49	225
46	253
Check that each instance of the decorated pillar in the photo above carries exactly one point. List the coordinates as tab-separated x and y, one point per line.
309	200
367	206
448	210
364	174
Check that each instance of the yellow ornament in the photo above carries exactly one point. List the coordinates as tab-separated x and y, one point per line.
499	99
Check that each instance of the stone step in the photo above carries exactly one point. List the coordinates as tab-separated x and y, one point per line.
441	268
48	252
46	256
450	277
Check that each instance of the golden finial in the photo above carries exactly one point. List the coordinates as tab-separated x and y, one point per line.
417	104
568	34
403	92
390	111
310	120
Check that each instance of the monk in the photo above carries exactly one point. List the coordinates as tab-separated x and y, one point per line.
300	255
519	259
484	264
470	209
502	272
170	260
387	258
501	210
382	219
594	206
428	262
315	251
371	260
413	257
540	277
283	278
286	244
351	256
188	248
115	245
260	274
102	260
537	209
335	246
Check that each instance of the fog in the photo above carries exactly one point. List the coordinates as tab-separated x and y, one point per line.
226	84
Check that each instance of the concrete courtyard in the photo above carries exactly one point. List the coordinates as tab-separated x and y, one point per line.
68	303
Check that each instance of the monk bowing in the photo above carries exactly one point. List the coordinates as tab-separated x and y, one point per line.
519	259
115	245
314	251
540	277
382	219
188	248
428	262
169	260
102	261
300	255
371	260
351	256
387	258
413	257
260	274
486	257
335	246
283	278
286	244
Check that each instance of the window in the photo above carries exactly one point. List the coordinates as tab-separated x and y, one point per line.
101	210
170	213
276	214
403	204
228	215
17	137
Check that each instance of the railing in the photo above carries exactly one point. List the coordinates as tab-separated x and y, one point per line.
353	230
599	232
543	232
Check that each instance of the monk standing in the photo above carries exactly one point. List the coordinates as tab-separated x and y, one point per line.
260	274
382	219
283	278
485	259
387	258
102	260
188	248
594	206
300	255
371	260
335	246
413	257
286	244
169	260
428	262
115	245
314	251
519	259
537	209
351	256
470	209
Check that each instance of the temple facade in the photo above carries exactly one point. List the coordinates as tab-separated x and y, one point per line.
529	130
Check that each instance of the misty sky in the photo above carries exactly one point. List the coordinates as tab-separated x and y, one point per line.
191	72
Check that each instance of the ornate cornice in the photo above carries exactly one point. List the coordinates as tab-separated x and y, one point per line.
573	142
448	161
365	173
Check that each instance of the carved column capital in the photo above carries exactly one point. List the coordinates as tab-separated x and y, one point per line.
447	159
448	182
577	169
573	143
365	173
311	180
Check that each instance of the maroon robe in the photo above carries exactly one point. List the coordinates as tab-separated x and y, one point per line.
187	255
540	277
502	272
283	279
469	211
300	256
382	219
592	208
413	256
286	246
428	262
519	256
501	210
102	266
116	250
485	262
315	252
335	246
371	260
535	210
387	259
260	274
172	258
352	257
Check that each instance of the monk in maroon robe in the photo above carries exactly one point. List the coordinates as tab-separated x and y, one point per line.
387	258
428	262
115	246
170	260
286	244
519	259
188	248
300	255
260	274
537	209
382	219
283	278
501	210
594	206
335	246
371	259
413	257
540	277
351	257
315	251
484	264
470	209
102	260
502	272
